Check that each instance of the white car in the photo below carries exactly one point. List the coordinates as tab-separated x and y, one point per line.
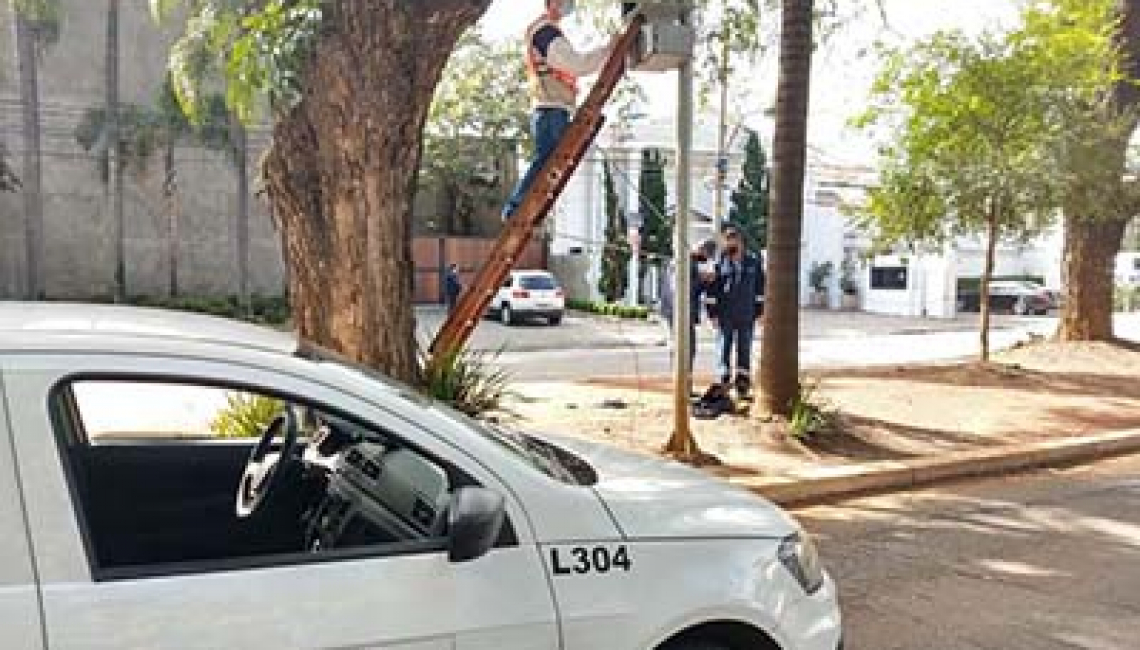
363	516
529	294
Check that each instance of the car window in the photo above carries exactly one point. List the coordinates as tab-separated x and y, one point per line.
538	283
162	478
540	455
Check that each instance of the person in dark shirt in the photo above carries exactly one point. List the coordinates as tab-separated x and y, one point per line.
700	278
553	67
452	287
735	304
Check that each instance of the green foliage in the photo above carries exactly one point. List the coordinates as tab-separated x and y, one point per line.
982	123
819	274
848	282
479	114
44	17
810	416
263	310
656	224
749	208
615	256
258	48
609	309
246	415
145	130
468	381
1126	298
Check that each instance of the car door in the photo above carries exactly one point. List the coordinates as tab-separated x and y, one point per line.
19	608
414	599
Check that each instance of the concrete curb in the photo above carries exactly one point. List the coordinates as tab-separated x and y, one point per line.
887	476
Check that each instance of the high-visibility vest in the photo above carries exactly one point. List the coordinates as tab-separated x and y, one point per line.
549	86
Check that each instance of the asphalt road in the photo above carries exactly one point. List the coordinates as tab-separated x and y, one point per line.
1046	561
866	349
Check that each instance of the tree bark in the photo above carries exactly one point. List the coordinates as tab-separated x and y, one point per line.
341	173
1090	252
31	285
984	289
780	366
1091	243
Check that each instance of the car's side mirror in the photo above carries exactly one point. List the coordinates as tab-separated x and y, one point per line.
475	520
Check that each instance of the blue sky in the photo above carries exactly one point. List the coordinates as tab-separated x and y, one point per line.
841	75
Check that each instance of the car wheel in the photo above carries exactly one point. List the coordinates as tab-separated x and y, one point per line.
1021	307
506	315
556	319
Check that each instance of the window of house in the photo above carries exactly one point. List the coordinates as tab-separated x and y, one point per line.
891	278
161	473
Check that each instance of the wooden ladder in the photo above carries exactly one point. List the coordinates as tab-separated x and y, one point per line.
536	204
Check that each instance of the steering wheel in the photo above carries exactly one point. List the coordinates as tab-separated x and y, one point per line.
263	469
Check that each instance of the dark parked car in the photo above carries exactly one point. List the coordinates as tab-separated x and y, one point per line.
1014	297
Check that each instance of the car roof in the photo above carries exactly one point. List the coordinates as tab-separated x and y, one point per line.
71	326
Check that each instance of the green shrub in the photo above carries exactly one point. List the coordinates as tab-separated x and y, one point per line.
265	310
1126	298
245	415
609	309
810	416
469	381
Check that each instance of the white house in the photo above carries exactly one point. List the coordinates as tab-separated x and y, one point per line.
577	226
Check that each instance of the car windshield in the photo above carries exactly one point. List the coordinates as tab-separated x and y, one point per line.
538	282
543	456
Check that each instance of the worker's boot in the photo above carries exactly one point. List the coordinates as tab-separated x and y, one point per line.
743	385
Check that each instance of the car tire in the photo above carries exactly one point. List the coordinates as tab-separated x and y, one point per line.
506	315
555	320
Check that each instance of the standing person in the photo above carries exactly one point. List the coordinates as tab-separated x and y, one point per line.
553	67
452	287
701	276
735	304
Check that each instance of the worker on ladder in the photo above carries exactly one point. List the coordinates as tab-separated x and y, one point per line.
553	67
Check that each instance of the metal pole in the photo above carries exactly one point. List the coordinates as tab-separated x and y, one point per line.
682	442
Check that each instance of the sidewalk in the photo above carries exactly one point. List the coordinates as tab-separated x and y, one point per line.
893	426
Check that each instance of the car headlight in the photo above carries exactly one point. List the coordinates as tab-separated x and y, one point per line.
798	554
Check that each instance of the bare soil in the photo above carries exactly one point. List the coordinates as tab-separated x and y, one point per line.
1038	391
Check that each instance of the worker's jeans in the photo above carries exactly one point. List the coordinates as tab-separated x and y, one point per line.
547	125
740	337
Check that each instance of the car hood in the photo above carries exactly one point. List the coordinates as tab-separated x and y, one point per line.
651	497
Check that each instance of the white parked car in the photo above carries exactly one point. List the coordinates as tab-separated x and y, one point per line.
361	516
529	294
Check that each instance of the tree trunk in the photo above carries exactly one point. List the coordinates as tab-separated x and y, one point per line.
779	370
238	138
170	199
984	289
340	175
31	285
115	148
1090	254
1091	245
